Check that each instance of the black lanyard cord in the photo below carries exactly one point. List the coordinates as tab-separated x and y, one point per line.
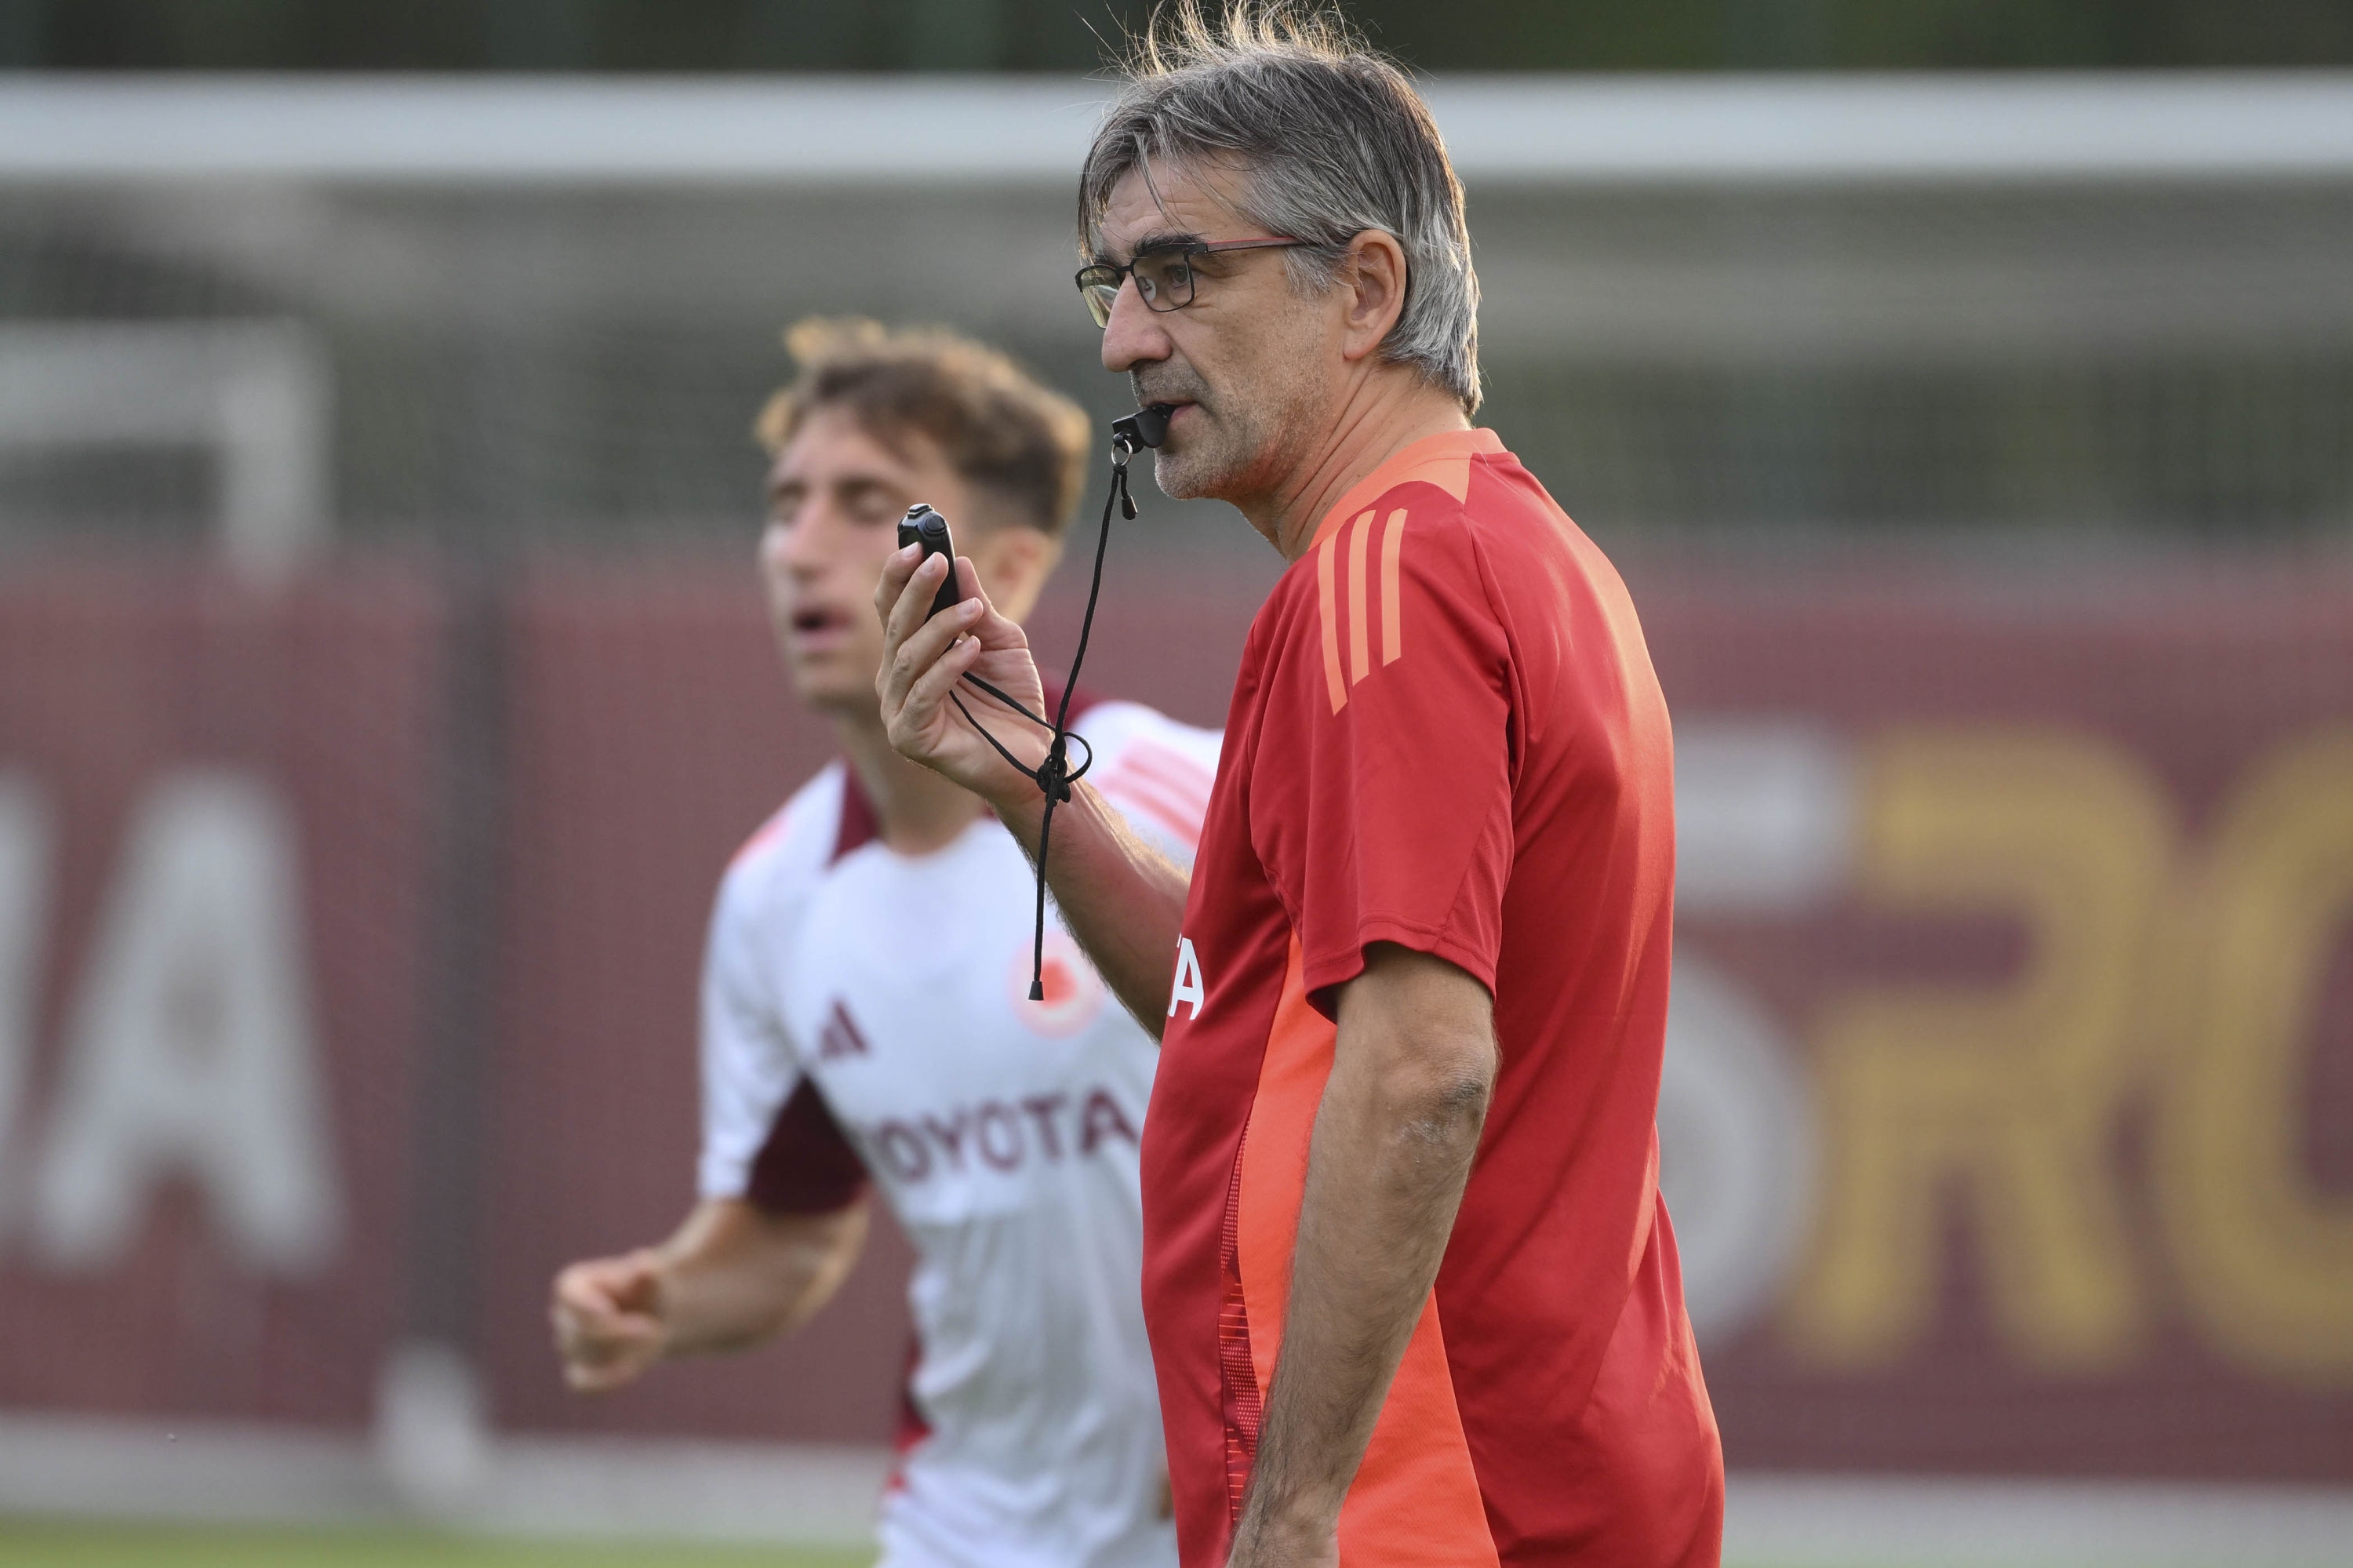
1055	776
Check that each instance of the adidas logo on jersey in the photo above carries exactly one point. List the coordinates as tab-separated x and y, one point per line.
839	1037
997	1135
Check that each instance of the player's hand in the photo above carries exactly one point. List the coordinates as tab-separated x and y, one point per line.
925	659
608	1315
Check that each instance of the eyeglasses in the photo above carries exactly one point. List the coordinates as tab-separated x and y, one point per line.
1164	276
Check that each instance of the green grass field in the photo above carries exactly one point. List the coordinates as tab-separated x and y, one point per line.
52	1545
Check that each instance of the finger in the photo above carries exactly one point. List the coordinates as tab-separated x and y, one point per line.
640	1288
565	1314
906	622
992	628
931	688
893	580
614	1359
995	632
890	590
931	639
921	654
603	1342
586	1286
600	1378
908	612
581	1337
598	1282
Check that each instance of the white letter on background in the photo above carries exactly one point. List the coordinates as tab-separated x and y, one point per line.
190	1048
24	879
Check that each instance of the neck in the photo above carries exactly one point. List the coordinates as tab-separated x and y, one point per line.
916	811
1380	415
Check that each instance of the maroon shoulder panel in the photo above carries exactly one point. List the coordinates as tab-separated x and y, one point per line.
806	1166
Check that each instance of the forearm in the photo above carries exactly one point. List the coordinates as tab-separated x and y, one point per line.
1392	1151
1122	899
733	1276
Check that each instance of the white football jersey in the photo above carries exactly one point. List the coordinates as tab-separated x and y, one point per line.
866	1016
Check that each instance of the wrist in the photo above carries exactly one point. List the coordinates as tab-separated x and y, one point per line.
1288	1519
1015	797
660	1297
1018	804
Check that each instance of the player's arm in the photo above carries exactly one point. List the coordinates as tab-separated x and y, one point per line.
1122	899
1412	1070
733	1276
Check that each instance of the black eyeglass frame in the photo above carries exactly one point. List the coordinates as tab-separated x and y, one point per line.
1104	277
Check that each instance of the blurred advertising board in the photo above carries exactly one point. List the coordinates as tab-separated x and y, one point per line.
2014	1036
215	857
2008	1126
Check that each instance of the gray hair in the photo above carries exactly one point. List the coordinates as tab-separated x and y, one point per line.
1334	141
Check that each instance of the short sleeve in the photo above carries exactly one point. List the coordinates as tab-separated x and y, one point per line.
1395	778
766	1132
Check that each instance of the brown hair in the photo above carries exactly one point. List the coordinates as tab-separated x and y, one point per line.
1001	429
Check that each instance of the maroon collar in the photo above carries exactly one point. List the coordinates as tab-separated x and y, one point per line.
859	826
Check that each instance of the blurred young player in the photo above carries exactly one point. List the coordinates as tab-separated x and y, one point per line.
865	1011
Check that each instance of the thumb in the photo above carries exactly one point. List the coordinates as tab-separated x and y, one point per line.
636	1285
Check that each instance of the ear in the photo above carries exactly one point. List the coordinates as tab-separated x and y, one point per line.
1014	561
1373	280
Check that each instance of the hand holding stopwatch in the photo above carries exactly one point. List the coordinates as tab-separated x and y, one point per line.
923	526
1144	429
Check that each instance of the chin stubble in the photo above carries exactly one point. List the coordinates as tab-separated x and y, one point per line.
1206	466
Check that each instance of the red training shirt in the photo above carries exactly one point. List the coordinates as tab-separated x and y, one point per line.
1446	734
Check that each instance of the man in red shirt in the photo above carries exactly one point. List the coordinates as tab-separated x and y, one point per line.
1412	1295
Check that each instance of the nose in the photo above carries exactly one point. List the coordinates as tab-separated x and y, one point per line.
1136	335
792	547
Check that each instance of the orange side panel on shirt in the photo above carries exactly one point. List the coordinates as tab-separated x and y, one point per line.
1416	1498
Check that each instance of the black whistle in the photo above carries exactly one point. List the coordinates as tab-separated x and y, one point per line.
1147	427
923	526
